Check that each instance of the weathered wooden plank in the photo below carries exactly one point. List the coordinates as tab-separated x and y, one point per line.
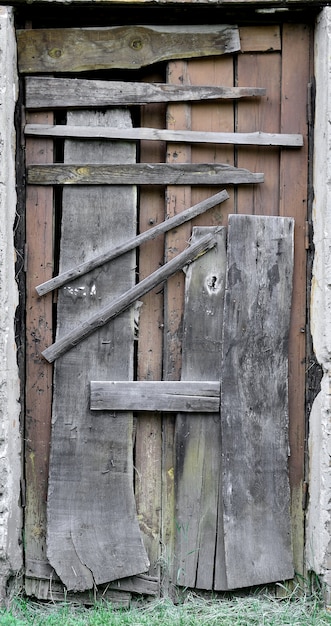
123	302
46	92
146	585
254	400
172	222
148	435
91	508
198	437
293	199
141	174
122	47
155	396
154	134
53	591
38	400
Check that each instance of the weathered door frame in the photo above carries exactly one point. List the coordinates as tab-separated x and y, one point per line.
320	407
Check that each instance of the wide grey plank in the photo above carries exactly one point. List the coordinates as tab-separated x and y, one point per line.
155	396
93	535
141	174
254	401
198	437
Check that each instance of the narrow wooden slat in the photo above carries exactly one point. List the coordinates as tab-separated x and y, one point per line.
155	396
91	507
254	400
147	585
108	312
141	174
293	202
198	437
39	375
148	435
172	222
79	93
247	139
125	47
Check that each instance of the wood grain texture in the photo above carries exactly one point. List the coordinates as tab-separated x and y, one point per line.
293	202
124	47
78	93
266	69
148	439
93	533
198	437
155	396
254	400
153	134
104	314
130	244
39	228
141	174
260	39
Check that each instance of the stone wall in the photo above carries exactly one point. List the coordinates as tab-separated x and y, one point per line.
10	439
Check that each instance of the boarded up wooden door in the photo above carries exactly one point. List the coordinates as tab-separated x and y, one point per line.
99	462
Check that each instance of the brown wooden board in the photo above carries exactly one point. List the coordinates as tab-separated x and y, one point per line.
39	265
254	401
293	202
198	437
78	93
123	47
148	440
93	535
154	395
141	174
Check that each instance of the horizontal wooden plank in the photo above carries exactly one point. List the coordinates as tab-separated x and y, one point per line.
147	585
178	136
120	47
273	5
52	93
155	396
141	174
119	305
130	244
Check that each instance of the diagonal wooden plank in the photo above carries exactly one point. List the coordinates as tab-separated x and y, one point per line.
141	174
91	507
254	400
155	134
44	92
113	309
130	244
154	395
122	47
198	437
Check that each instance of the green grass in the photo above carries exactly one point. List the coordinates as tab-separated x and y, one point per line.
259	610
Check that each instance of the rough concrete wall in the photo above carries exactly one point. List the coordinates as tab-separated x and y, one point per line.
10	440
318	539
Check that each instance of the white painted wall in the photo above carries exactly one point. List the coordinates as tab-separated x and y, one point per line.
10	440
318	538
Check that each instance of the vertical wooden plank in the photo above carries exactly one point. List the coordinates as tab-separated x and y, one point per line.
93	535
198	437
177	199
39	240
254	400
148	442
219	71
263	70
293	202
